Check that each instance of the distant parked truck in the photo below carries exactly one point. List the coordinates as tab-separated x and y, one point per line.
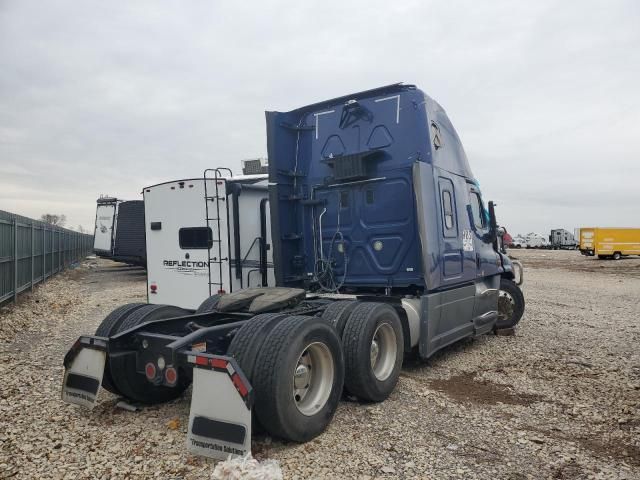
611	243
535	240
562	239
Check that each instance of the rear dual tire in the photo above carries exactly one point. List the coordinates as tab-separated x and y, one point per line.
373	345
337	314
108	327
248	341
247	344
298	377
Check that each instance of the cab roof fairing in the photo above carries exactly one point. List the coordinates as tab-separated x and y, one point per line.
451	156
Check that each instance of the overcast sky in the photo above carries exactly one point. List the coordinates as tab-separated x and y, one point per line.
108	97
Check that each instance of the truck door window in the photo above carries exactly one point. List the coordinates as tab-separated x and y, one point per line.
195	238
447	210
477	211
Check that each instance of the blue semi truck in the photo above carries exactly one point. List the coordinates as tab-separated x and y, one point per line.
382	246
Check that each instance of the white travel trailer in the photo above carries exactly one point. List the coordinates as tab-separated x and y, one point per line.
535	240
206	236
518	242
105	228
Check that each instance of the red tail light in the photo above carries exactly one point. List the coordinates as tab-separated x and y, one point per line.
150	371
221	292
153	287
171	375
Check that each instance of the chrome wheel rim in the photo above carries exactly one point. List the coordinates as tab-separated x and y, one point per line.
383	351
313	378
506	305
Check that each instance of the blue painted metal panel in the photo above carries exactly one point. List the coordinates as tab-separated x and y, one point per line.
343	195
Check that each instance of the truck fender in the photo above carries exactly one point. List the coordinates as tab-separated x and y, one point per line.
516	273
406	330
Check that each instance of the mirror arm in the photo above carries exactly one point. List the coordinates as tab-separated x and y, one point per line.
493	224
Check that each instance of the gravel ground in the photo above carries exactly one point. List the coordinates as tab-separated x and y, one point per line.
560	399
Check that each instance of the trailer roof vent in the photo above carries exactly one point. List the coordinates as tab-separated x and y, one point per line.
255	166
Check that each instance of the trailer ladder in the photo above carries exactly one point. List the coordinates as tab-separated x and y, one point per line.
216	240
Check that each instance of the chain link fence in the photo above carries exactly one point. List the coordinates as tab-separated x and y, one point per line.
32	251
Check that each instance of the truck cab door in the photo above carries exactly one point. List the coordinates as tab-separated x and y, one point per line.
452	254
487	264
450	309
479	221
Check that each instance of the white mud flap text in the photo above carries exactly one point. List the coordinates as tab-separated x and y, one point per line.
84	368
220	417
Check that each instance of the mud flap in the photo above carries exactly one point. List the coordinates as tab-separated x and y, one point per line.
84	368
220	416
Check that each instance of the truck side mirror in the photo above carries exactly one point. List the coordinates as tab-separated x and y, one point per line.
493	224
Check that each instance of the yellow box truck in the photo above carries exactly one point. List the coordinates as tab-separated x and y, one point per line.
609	242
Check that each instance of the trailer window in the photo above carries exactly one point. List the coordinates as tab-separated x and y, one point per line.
195	237
478	211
